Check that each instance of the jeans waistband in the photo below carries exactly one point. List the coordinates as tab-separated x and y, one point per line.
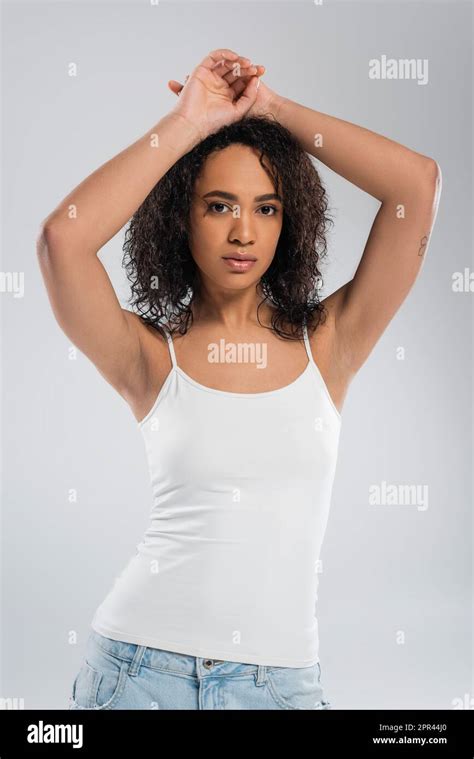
172	661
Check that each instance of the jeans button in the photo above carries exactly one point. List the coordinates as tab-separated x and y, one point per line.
208	663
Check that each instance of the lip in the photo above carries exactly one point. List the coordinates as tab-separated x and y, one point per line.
239	264
241	256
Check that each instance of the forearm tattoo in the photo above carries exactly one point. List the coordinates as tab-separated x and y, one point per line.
423	244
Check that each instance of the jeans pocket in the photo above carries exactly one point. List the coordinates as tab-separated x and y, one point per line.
100	682
297	687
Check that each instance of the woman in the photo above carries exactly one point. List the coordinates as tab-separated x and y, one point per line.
216	610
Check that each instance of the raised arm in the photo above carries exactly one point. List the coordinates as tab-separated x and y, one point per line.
80	292
82	297
408	185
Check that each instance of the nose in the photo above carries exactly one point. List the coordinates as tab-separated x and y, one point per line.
242	231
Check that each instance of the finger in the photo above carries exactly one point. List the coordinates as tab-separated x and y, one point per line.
243	72
223	57
247	98
238	72
238	78
220	53
175	86
238	85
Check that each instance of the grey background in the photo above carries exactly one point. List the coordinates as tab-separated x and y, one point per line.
385	568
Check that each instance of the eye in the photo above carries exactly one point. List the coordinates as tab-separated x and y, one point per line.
223	205
211	205
273	208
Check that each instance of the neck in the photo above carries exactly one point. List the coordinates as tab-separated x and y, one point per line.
233	310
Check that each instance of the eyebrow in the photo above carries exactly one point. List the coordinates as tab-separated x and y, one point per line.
231	196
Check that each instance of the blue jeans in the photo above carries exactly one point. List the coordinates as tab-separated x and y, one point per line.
118	675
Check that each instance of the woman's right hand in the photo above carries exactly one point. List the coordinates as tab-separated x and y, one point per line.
207	100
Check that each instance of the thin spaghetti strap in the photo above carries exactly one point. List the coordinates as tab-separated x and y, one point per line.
318	372
170	346
307	345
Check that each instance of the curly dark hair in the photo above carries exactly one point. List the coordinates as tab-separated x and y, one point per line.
163	275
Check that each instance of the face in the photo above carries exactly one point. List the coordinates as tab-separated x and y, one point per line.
235	212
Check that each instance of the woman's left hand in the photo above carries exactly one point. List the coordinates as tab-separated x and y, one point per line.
267	102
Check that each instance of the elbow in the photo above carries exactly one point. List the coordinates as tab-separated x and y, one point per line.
436	182
50	237
432	173
428	180
56	236
41	240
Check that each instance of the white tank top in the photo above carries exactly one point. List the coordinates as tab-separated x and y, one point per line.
228	567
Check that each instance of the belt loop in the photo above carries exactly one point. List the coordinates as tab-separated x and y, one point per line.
135	663
261	674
